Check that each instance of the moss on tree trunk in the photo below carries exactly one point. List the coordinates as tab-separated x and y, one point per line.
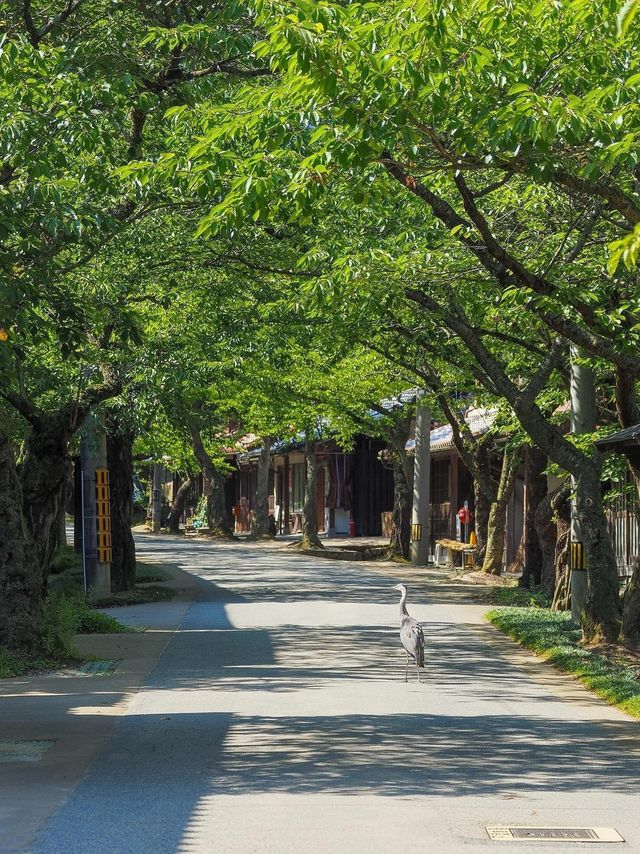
43	472
21	587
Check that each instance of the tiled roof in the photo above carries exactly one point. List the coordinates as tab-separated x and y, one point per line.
478	419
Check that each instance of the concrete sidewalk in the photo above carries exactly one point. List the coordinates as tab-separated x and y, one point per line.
76	714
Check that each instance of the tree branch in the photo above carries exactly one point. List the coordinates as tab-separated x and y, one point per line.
23	406
538	381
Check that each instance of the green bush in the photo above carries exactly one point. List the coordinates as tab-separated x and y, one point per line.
67	615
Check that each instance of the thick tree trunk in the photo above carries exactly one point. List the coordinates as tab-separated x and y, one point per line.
400	543
177	508
603	608
21	588
217	519
217	516
43	473
123	550
310	537
495	540
260	521
536	489
498	514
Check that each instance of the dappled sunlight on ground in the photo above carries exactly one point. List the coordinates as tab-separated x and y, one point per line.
277	718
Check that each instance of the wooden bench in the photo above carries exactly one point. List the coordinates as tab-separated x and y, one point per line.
453	547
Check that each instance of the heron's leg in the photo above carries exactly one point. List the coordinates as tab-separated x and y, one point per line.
418	669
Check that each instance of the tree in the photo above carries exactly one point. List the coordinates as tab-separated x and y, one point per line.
102	78
558	165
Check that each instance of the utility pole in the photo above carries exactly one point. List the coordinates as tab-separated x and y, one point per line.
156	498
583	420
96	515
421	512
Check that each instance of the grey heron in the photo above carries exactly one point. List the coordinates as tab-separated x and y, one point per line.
411	634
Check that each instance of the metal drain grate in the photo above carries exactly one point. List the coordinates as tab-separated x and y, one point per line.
24	751
99	668
560	834
104	667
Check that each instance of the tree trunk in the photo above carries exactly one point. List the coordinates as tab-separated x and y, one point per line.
123	550
43	472
21	587
213	483
177	508
310	537
498	513
482	510
495	539
562	592
217	516
260	521
485	490
536	489
602	618
400	543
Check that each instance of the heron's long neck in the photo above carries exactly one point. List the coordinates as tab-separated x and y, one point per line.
403	604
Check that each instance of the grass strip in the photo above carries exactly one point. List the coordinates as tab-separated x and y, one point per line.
553	636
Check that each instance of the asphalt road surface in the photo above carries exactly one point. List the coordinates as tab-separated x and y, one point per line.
277	720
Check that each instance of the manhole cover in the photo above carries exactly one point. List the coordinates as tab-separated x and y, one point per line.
561	834
24	751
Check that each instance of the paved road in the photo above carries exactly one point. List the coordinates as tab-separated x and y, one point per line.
277	720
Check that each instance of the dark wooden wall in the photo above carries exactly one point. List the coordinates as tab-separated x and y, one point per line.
372	487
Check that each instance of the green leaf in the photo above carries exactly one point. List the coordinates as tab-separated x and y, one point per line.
626	15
